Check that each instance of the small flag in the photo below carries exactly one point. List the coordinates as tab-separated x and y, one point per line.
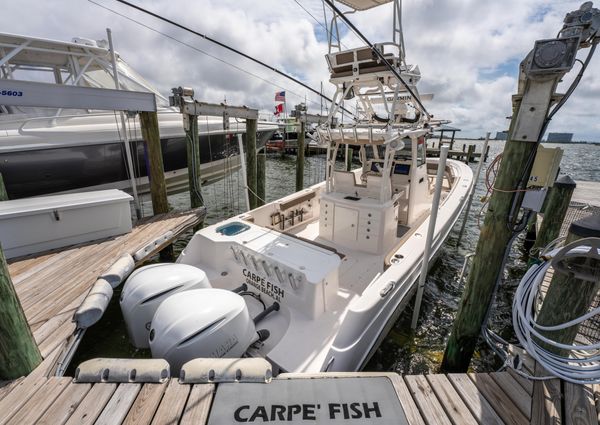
278	109
280	96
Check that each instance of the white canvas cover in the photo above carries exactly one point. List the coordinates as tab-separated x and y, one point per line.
363	4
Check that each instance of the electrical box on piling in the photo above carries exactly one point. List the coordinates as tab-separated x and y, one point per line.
545	167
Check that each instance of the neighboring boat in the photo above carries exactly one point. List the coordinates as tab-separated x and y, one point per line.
326	270
45	150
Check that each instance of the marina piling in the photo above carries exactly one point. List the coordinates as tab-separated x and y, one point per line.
251	169
19	353
300	156
261	175
470	152
349	159
3	193
156	172
554	213
193	160
570	296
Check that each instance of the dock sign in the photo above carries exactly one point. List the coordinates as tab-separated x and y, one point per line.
322	400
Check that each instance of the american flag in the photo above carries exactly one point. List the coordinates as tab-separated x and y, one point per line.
280	96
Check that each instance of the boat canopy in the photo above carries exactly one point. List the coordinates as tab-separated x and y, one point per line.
364	4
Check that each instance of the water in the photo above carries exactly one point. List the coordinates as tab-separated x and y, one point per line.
401	351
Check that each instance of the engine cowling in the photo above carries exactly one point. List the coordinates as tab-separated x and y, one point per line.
148	287
207	323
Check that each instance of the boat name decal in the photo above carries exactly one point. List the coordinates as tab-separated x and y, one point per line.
307	412
263	285
11	93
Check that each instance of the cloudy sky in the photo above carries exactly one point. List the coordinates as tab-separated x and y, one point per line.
468	50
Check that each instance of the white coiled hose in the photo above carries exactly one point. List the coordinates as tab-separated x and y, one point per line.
582	364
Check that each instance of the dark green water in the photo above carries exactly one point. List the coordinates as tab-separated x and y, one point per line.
401	351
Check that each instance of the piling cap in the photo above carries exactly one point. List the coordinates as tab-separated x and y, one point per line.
588	227
564	182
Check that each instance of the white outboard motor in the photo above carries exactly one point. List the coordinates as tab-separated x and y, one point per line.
149	286
209	323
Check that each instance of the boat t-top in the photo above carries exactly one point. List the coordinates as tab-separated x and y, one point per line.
313	281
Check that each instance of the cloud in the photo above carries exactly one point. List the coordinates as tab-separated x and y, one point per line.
468	50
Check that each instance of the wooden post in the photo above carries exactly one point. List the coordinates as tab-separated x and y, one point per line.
470	154
3	193
156	171
569	297
261	177
19	353
555	210
349	159
487	263
193	160
251	162
300	158
487	152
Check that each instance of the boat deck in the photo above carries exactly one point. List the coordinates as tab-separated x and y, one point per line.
53	285
494	398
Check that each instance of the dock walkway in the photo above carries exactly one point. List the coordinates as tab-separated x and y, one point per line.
52	286
494	398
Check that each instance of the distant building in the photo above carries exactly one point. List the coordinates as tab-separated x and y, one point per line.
559	137
501	135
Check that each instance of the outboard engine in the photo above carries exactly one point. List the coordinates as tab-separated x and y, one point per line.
208	323
149	286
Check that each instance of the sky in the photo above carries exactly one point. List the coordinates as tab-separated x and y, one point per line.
468	51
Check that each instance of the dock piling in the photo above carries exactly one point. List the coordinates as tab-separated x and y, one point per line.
19	353
193	160
261	177
251	169
554	213
563	302
3	193
300	156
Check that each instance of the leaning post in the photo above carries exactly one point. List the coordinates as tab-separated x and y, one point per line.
536	93
300	156
19	353
251	162
554	213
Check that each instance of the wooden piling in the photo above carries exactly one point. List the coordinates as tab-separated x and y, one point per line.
3	193
19	353
193	160
156	172
488	261
555	210
261	177
569	297
349	159
300	157
470	152
251	162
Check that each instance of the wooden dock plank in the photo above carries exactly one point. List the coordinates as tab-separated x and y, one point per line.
145	404
498	399
546	402
172	404
515	391
13	401
198	405
413	416
35	407
527	384
429	406
580	408
7	386
455	408
479	406
92	405
118	406
65	405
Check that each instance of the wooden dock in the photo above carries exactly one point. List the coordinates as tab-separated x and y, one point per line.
52	286
494	398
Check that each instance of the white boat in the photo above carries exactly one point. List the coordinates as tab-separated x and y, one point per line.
44	150
327	269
